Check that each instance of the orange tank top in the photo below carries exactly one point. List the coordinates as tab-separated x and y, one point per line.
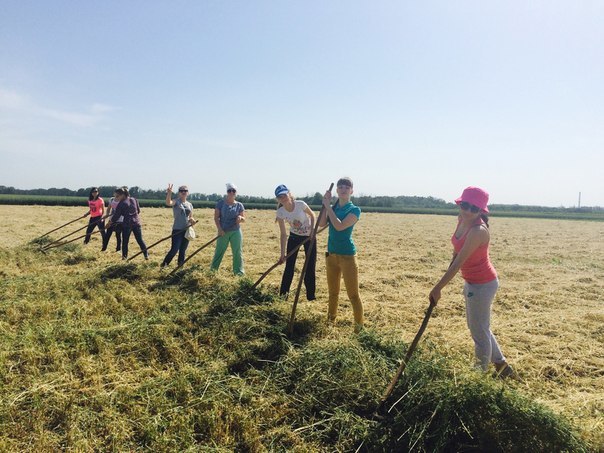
477	269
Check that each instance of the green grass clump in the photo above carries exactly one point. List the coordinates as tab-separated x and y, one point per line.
337	384
440	412
127	358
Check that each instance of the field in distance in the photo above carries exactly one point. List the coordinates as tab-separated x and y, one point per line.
596	214
548	315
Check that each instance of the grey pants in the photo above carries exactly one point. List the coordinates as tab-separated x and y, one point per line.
479	298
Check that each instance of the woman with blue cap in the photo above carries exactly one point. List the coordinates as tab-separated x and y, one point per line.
301	220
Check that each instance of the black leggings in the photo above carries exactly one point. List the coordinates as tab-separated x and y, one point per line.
92	223
288	274
117	227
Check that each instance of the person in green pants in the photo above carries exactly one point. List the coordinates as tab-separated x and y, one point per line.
228	216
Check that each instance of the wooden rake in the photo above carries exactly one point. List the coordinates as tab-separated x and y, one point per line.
405	361
290	327
44	250
274	266
158	242
192	255
50	245
62	226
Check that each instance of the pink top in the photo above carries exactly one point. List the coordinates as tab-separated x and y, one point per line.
477	268
96	207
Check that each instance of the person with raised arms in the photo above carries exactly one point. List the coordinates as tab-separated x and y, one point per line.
340	259
228	216
183	218
301	220
471	255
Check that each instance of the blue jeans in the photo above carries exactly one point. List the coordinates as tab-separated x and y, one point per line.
179	245
138	235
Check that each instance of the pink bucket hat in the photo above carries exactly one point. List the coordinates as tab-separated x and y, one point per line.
475	196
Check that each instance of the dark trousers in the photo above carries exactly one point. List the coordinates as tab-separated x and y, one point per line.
94	222
288	274
179	245
138	235
118	236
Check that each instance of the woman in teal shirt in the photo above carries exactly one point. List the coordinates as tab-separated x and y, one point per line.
341	260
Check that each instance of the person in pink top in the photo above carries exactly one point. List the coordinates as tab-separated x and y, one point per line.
96	207
471	255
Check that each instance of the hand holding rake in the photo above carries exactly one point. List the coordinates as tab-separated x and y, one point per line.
279	262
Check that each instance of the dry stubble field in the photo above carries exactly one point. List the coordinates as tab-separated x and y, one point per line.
548	314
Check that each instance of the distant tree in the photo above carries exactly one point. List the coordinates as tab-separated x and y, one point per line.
317	198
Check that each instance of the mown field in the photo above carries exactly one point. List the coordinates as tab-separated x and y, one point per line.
496	211
96	354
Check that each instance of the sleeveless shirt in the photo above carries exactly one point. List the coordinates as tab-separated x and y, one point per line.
477	269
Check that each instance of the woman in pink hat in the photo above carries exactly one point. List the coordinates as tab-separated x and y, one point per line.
471	256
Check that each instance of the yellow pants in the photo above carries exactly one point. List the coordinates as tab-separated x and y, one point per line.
339	266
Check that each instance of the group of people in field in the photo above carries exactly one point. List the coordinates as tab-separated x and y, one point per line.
123	214
470	242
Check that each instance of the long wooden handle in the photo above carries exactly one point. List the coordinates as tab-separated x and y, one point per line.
158	242
410	351
62	226
69	242
292	318
294	250
47	246
192	255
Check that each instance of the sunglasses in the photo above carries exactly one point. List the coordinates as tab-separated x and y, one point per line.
468	206
231	191
183	191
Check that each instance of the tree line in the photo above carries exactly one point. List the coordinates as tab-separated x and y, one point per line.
399	201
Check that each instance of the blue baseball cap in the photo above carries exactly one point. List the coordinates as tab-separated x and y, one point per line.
280	190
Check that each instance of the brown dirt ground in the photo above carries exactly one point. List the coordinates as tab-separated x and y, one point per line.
548	315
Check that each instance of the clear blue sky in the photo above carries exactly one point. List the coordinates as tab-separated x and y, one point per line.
407	98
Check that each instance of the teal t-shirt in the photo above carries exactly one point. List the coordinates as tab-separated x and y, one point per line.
340	242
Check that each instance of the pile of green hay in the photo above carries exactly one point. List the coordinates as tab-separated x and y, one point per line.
127	358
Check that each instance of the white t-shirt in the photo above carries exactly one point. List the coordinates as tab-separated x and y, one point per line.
297	219
113	203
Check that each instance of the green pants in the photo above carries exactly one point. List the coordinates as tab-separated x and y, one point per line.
235	238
